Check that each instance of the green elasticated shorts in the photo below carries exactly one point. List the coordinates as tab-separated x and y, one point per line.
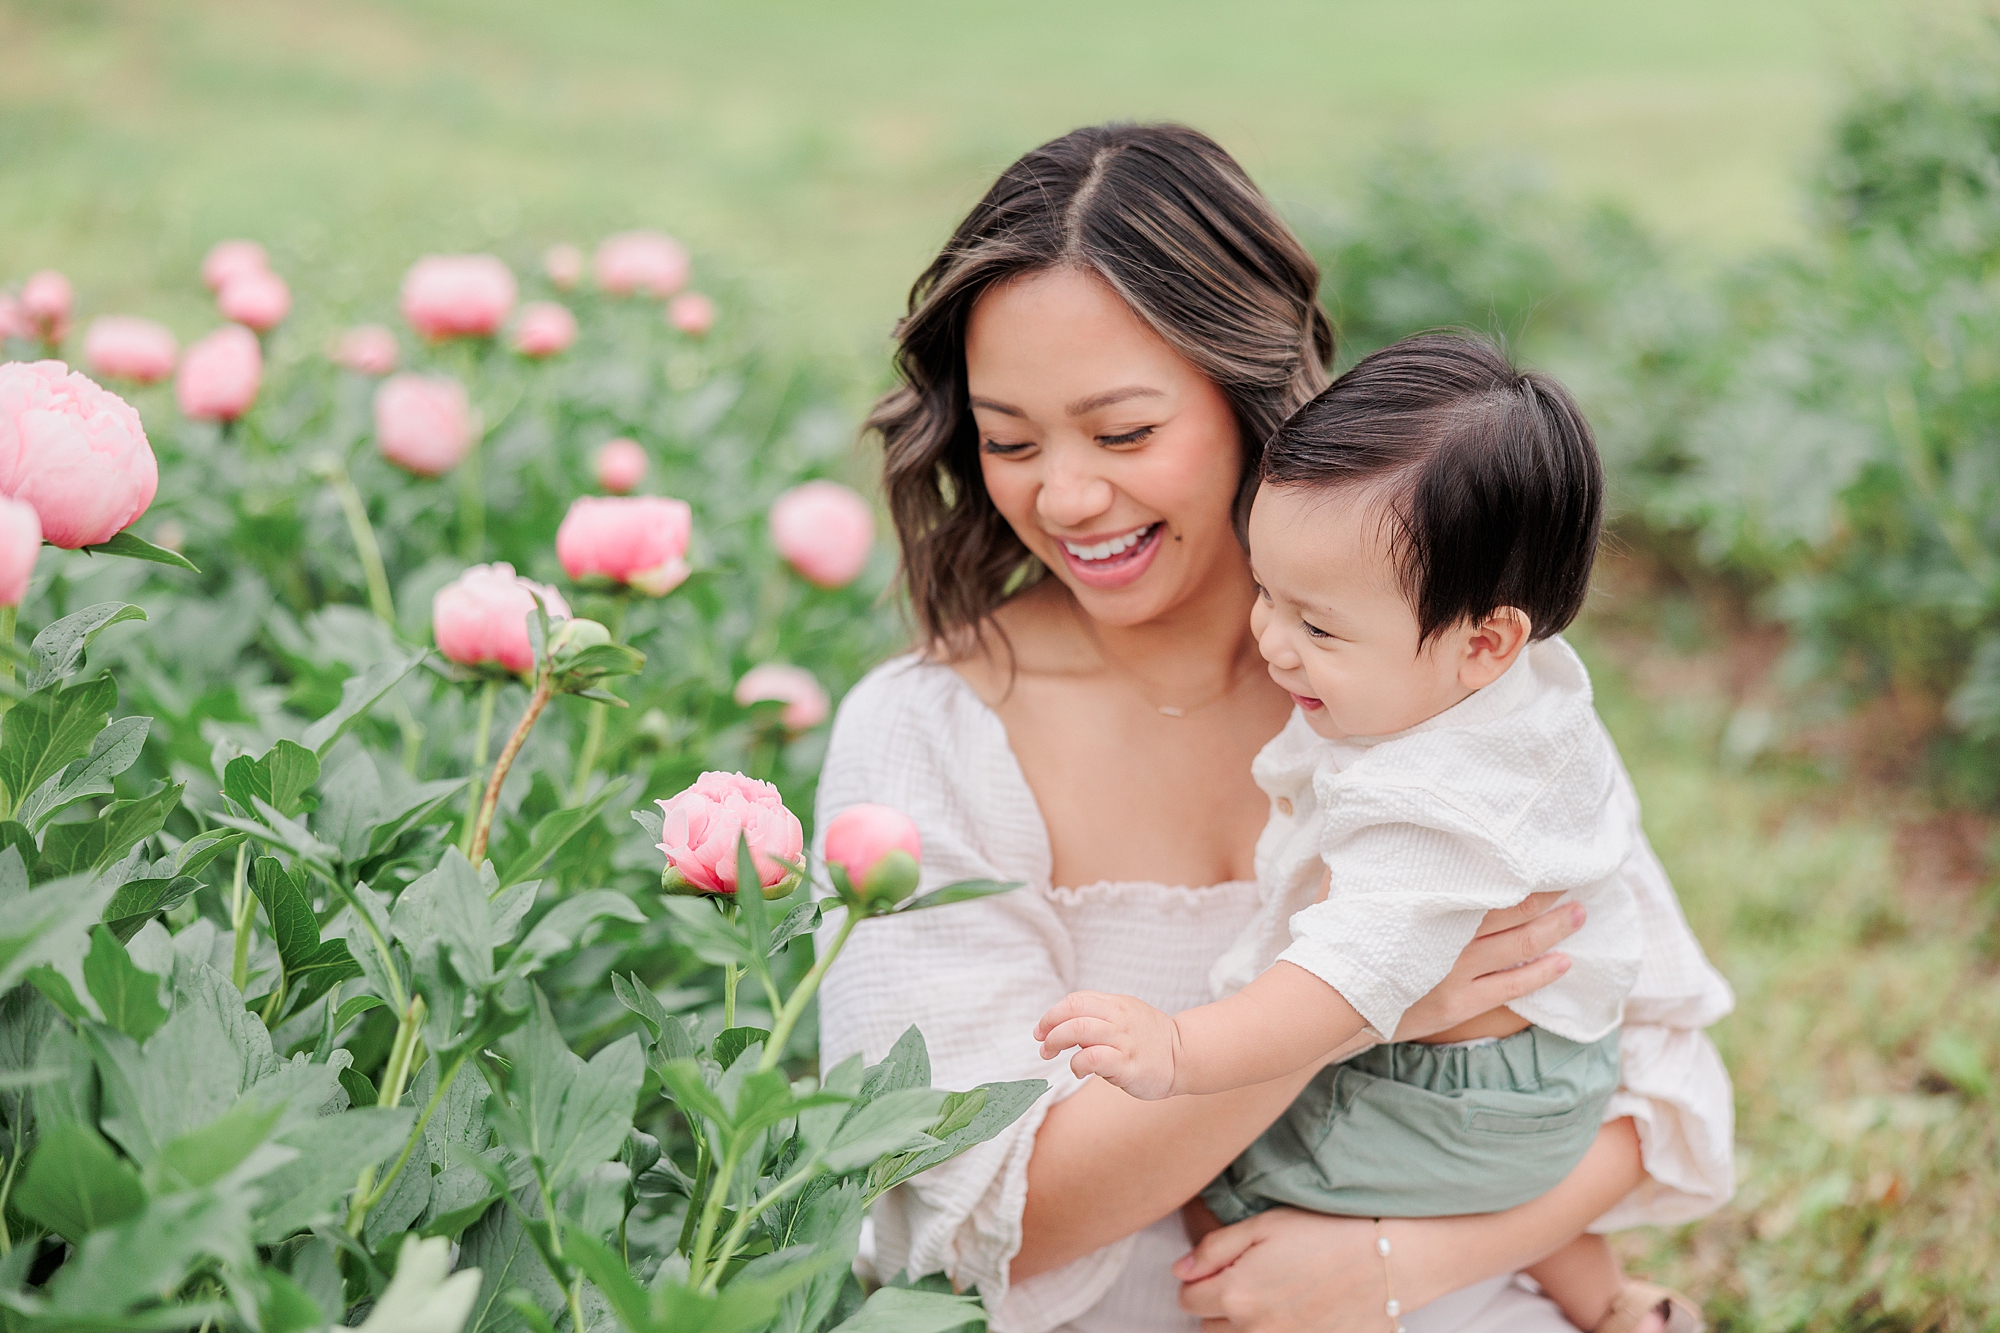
1408	1130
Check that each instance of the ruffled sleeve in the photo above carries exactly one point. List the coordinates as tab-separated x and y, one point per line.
973	978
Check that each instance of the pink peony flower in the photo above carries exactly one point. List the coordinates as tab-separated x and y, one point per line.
640	541
456	296
806	704
691	313
229	259
366	349
45	304
641	261
564	265
621	463
700	829
424	423
126	347
862	839
220	375
824	531
544	329
20	543
482	617
256	298
73	451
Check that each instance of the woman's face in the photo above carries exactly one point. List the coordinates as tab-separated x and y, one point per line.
1110	454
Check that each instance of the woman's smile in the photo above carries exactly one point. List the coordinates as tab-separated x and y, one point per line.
1114	561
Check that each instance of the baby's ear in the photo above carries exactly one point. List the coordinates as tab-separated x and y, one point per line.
1493	645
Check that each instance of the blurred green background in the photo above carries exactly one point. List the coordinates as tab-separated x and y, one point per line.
821	151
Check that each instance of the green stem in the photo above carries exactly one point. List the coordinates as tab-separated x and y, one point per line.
593	731
275	1003
8	615
471	504
711	1212
379	599
781	1030
7	1188
395	1076
398	998
242	907
743	1220
544	691
575	1294
730	976
488	693
382	1188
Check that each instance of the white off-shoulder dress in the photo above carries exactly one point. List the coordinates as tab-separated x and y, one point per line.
975	977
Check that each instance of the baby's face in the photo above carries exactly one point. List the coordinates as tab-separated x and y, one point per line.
1332	621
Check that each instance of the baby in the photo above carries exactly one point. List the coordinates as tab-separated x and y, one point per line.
1424	531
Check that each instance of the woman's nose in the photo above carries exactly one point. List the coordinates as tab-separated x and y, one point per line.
1071	496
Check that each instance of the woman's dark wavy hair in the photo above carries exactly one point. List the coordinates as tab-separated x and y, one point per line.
1171	223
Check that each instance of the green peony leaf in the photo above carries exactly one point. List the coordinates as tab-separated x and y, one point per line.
58	650
51	729
116	749
906	1310
137	548
357	696
559	827
76	1184
93	844
127	995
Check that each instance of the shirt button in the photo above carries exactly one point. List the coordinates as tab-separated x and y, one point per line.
1284	805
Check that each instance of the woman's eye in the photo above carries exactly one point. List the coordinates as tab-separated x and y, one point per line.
1004	450
1129	437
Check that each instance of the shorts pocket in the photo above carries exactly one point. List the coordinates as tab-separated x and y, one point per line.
1491	1120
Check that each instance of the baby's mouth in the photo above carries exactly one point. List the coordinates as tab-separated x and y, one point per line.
1307	702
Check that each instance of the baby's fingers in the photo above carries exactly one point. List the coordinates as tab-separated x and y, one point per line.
1089	1031
1078	1004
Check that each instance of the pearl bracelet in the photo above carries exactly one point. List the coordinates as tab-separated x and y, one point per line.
1391	1307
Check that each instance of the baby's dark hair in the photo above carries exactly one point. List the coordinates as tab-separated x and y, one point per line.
1492	486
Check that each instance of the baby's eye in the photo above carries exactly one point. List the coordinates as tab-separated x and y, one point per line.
1129	437
1263	593
1004	450
1315	630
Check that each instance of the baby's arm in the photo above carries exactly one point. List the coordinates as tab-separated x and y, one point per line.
1283	1021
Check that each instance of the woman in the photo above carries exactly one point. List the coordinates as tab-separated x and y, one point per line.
1089	370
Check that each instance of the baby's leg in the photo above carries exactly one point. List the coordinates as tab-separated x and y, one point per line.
1583	1277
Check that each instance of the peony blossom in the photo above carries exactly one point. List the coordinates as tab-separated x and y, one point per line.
544	329
621	464
806	704
641	261
824	531
564	265
257	299
229	259
691	313
220	375
864	840
424	423
366	349
126	347
700	829
74	451
20	543
481	617
45	304
457	296
640	541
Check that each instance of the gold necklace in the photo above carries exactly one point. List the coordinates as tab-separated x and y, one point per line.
1236	676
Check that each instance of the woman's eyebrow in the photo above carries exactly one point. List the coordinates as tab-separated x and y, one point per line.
1002	408
1110	396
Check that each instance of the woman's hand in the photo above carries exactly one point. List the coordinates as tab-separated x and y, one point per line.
1285	1271
1509	958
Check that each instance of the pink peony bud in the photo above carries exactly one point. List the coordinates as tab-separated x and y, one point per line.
455	296
74	451
878	848
691	313
564	265
20	543
621	463
641	261
126	347
640	541
482	616
700	828
424	423
220	375
824	530
544	329
229	259
366	349
45	304
805	702
257	299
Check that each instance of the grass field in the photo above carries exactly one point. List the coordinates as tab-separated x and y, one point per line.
815	154
821	150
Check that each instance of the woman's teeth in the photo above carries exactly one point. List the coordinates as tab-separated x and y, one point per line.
1116	546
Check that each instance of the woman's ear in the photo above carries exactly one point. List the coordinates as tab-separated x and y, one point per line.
1492	647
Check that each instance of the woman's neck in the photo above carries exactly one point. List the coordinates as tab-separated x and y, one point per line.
1194	650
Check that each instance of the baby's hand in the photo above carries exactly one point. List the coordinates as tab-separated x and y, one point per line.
1124	1041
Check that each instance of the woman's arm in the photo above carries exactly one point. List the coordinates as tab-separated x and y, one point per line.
1106	1165
1291	1272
